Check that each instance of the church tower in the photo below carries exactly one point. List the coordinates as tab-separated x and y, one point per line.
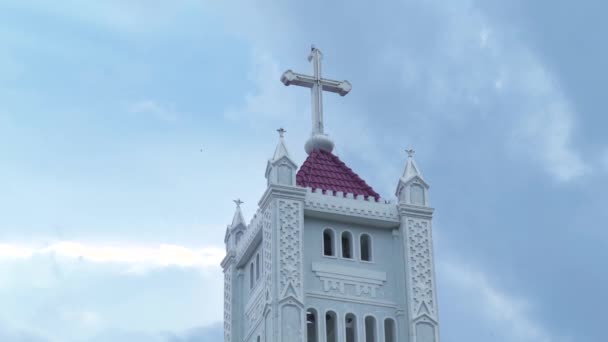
324	258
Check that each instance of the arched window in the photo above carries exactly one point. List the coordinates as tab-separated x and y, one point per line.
257	266
258	340
251	276
328	242
366	247
239	235
350	325
370	329
390	333
347	245
312	325
331	327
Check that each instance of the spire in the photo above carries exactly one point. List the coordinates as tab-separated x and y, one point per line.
281	150
411	169
318	139
238	219
412	188
281	168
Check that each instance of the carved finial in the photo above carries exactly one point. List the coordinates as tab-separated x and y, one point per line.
238	202
281	132
410	152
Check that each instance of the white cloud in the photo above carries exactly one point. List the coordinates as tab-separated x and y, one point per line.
153	108
511	313
124	16
269	98
138	258
545	133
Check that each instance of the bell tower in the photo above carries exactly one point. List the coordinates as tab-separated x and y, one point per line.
325	258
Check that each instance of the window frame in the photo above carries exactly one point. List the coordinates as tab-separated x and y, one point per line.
337	325
317	325
257	267
355	327
352	245
375	328
251	275
371	248
393	332
333	243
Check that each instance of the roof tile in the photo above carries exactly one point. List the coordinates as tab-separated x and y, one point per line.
325	171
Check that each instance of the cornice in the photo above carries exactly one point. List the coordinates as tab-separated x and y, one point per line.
282	191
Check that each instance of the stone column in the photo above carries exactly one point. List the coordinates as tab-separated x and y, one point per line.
285	291
420	272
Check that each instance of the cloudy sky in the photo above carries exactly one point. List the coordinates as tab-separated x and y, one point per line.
112	218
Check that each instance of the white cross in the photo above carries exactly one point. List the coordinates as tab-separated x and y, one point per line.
410	152
281	132
316	85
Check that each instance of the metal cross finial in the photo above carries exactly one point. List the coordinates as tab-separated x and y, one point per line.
281	132
238	202
410	152
317	85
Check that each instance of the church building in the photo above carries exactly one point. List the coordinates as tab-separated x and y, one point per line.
325	258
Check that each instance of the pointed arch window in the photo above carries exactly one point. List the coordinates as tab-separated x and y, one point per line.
331	327
365	242
370	329
251	276
390	332
312	325
347	245
257	266
350	326
328	242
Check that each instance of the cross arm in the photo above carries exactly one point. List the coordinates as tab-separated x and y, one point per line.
340	87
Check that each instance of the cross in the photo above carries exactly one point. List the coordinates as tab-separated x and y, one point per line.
238	202
316	84
281	132
410	152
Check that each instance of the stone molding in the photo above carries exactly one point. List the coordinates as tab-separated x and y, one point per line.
351	208
356	300
336	278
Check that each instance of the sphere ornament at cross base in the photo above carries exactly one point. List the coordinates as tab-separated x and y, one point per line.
319	142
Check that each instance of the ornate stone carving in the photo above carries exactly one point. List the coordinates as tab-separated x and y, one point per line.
421	268
267	248
228	304
290	252
348	281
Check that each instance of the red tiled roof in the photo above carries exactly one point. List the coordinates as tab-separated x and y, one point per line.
325	171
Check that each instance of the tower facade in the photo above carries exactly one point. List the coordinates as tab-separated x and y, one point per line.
325	258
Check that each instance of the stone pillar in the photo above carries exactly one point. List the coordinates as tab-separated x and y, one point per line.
229	274
285	290
420	272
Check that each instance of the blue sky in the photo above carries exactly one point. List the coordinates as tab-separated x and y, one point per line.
112	219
